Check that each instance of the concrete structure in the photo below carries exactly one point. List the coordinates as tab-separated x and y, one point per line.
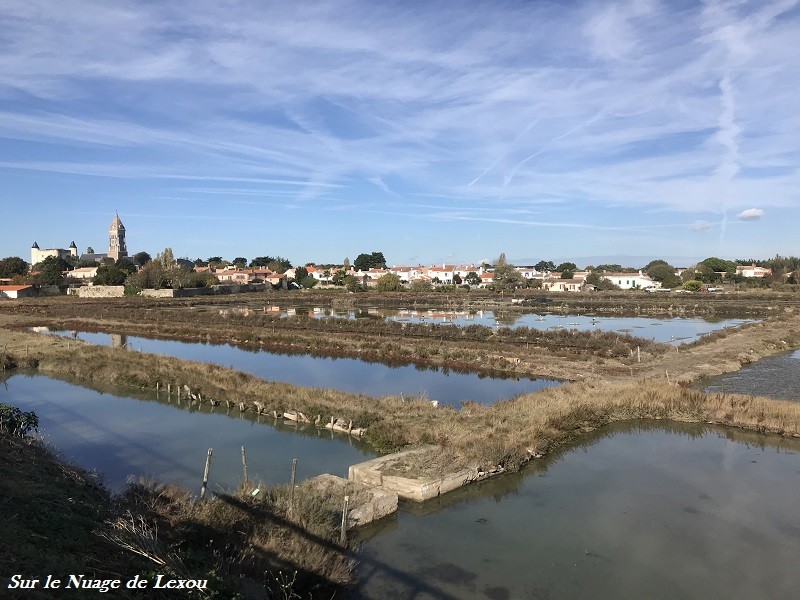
38	254
383	472
16	291
365	504
116	239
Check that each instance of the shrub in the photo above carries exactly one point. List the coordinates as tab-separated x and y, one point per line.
17	422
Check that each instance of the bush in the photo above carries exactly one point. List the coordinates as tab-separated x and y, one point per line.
16	422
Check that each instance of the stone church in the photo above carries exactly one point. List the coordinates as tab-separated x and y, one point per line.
116	247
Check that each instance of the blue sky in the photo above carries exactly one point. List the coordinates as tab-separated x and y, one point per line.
431	131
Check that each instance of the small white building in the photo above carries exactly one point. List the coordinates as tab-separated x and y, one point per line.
16	291
753	271
631	281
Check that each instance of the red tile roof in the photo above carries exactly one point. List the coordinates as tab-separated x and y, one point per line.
13	288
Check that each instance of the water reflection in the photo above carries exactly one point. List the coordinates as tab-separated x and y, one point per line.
649	511
373	379
134	434
674	330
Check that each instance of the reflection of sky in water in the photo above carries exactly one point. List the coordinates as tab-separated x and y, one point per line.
374	379
648	514
118	436
776	376
672	330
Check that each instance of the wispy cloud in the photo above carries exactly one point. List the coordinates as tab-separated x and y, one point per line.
634	105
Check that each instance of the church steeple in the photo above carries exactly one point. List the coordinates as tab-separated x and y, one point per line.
116	239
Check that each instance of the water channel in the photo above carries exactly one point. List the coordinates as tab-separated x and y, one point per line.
637	510
674	330
348	374
777	377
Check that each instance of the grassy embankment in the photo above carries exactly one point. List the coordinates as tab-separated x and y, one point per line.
56	519
506	434
562	354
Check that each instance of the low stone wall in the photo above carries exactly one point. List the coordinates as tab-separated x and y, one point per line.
233	288
101	291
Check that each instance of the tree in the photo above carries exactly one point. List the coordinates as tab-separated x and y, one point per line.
599	282
545	265
664	273
457	279
420	285
199	262
11	266
473	278
693	285
141	258
277	264
390	282
240	262
654	263
89	250
166	258
505	276
126	265
351	283
567	273
300	273
567	266
337	278
346	263
365	262
51	271
308	282
110	275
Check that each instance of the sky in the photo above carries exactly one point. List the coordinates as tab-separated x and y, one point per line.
432	131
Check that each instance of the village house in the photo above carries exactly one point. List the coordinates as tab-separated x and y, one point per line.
85	274
16	291
753	271
566	285
630	281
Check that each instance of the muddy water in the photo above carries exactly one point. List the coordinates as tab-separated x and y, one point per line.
651	511
120	436
373	379
776	376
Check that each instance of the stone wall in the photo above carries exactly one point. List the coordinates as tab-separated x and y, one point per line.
102	291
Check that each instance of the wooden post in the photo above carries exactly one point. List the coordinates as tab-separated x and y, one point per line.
343	533
291	491
244	466
205	475
667	373
638	354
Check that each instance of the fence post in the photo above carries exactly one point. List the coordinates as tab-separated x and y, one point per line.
343	533
291	491
244	466
205	475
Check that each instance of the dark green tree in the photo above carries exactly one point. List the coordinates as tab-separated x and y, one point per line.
110	275
365	262
300	273
473	278
51	271
12	266
126	265
664	273
567	266
141	258
545	265
240	261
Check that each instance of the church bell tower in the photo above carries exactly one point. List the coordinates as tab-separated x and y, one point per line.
116	239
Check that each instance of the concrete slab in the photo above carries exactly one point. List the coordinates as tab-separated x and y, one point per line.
366	503
389	473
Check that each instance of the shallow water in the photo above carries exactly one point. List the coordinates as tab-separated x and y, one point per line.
654	511
348	374
118	435
777	377
674	330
